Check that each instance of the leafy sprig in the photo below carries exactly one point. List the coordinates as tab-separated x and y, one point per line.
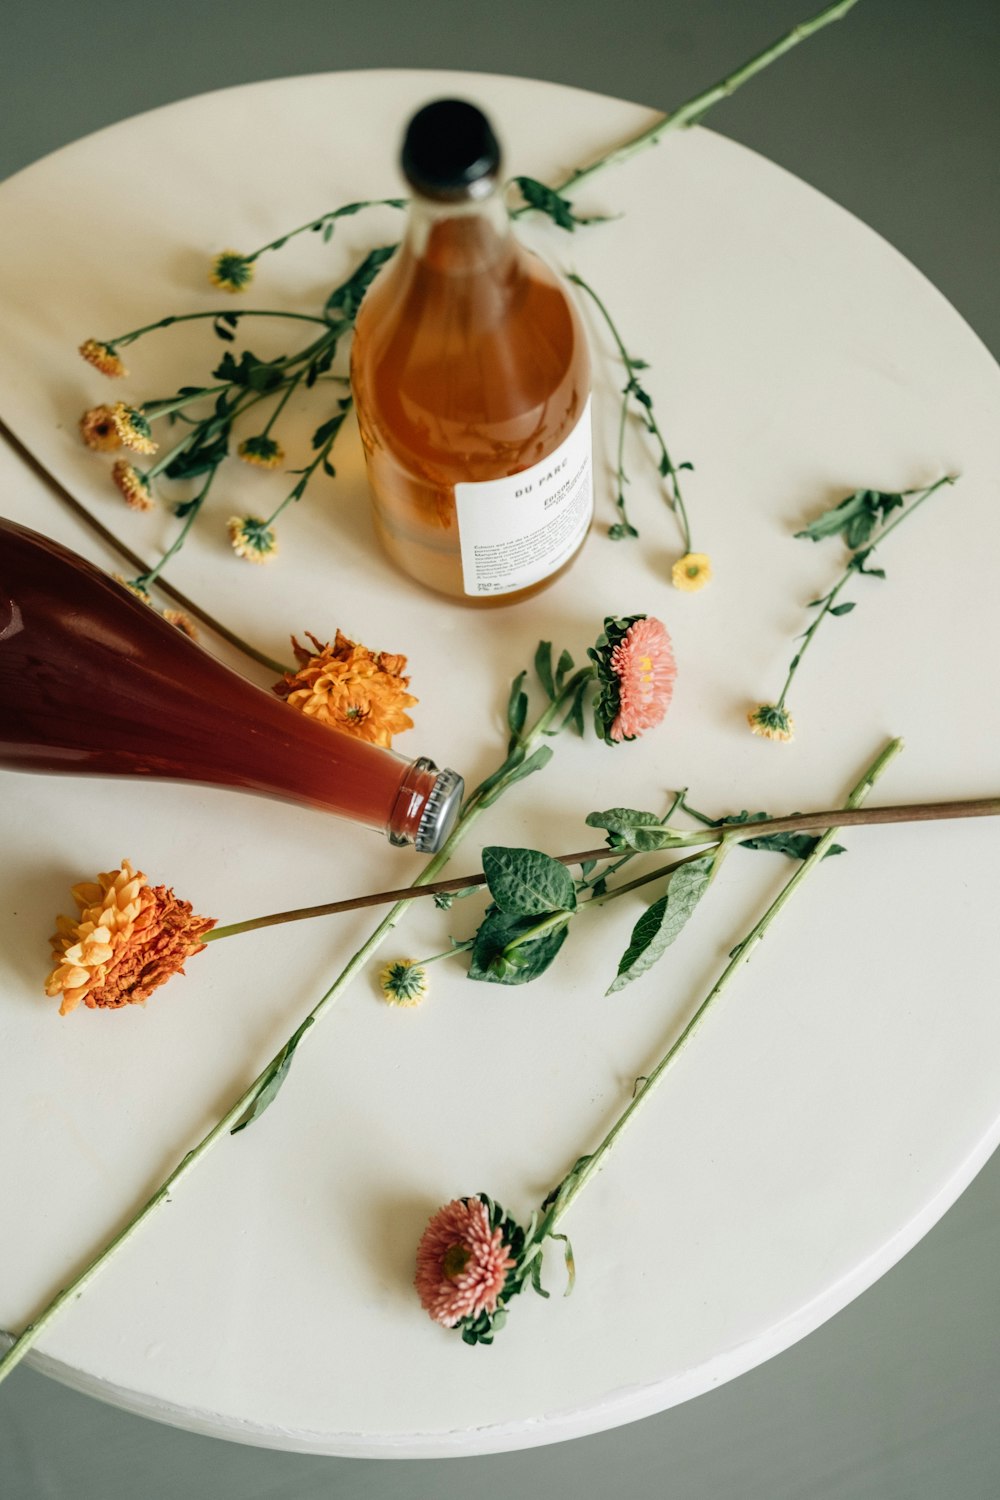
857	520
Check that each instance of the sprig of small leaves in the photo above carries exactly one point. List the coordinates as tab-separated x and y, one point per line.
551	203
636	396
860	520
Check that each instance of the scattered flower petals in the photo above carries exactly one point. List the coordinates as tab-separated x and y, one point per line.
771	722
350	688
127	939
99	429
133	430
403	982
231	271
103	357
134	485
691	572
251	539
462	1263
264	452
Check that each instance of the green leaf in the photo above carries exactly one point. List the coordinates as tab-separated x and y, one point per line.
543	667
328	430
629	829
273	1081
854	518
517	706
794	845
525	882
546	201
841	609
533	957
346	298
250	373
511	773
564	665
657	928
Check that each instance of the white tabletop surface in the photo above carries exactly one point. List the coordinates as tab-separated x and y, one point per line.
848	1088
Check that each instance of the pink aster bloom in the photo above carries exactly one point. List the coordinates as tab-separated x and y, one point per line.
643	662
462	1263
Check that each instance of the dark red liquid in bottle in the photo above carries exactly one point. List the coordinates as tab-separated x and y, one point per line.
94	682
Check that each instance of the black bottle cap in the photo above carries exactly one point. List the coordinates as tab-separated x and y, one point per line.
450	151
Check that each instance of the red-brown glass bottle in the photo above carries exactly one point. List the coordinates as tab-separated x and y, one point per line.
470	366
94	682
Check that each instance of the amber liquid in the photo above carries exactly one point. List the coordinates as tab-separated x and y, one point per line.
469	363
94	681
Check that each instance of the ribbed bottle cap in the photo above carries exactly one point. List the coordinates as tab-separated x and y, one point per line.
440	812
450	151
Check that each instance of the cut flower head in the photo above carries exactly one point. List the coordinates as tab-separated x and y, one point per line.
635	673
467	1266
403	982
127	939
349	687
231	271
263	452
251	539
133	430
99	429
691	572
133	484
771	722
103	357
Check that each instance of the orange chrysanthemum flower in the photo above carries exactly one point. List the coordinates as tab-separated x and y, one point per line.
350	688
133	484
133	429
99	429
103	357
128	938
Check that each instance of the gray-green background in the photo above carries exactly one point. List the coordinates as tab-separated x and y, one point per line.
894	114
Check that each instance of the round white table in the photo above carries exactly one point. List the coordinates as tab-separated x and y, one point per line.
848	1088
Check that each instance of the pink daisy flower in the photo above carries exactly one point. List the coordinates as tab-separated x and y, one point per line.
462	1263
643	662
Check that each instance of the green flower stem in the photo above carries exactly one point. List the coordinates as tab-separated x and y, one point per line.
299	489
850	570
917	812
645	402
280	405
124	339
586	1168
195	506
327	218
470	812
589	881
695	108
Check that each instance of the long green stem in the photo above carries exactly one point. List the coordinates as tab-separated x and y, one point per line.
695	108
581	1174
916	812
851	569
634	389
194	506
324	219
124	339
470	812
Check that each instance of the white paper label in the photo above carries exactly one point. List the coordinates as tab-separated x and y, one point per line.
515	531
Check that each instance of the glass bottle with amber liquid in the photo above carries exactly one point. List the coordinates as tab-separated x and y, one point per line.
471	378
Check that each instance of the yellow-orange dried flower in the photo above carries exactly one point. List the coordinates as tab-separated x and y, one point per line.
133	428
181	622
350	688
128	938
99	429
103	357
134	587
231	271
133	484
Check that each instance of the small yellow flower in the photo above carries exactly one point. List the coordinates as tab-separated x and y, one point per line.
251	539
133	429
103	357
691	572
771	722
181	622
231	271
133	588
262	451
403	982
133	484
127	939
99	430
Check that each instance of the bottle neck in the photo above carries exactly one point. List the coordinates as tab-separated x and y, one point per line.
426	806
463	238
